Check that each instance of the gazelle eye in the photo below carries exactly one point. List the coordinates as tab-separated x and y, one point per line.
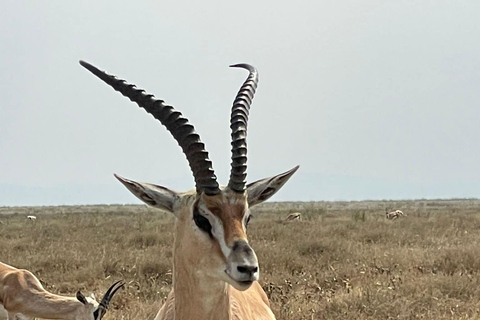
202	222
248	220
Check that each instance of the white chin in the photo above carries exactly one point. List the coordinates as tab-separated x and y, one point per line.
239	285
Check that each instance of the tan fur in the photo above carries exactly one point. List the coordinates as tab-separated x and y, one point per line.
230	208
250	304
200	290
23	296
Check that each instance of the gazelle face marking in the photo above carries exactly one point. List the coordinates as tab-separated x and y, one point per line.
227	215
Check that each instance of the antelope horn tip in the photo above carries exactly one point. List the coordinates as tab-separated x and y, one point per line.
84	63
244	66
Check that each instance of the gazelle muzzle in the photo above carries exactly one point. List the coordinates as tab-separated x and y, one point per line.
242	264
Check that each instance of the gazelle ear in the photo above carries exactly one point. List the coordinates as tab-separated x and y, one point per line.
81	297
261	190
153	195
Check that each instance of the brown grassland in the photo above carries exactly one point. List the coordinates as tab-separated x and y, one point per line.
343	260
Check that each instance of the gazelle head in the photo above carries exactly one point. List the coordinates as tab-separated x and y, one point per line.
211	220
92	310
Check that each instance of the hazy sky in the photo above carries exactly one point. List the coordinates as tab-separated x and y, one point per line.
373	99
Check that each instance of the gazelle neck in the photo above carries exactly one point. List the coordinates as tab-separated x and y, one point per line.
198	295
51	306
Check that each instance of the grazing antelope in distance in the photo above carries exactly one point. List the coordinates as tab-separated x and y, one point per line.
394	214
31	218
293	216
391	215
23	297
215	269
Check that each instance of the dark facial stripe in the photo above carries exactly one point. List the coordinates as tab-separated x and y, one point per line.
201	221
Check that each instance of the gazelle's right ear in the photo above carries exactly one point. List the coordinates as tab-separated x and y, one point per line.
153	195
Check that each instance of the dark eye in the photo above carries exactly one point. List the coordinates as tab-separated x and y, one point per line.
202	222
248	220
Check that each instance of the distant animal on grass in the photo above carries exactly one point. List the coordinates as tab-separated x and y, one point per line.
293	216
215	270
24	298
394	214
32	218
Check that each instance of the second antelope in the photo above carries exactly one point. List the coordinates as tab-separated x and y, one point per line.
394	214
24	298
215	268
293	216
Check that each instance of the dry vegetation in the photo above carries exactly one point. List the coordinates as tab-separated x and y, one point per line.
344	260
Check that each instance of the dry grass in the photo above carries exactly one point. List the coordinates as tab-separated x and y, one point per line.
342	261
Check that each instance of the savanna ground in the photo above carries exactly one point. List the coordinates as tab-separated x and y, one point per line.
344	260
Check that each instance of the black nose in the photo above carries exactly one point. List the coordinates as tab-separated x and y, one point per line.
250	270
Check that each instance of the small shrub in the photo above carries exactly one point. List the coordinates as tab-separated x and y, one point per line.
145	240
359	216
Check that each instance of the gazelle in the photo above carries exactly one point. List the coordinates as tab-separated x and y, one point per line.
293	216
391	215
394	214
32	218
24	298
215	268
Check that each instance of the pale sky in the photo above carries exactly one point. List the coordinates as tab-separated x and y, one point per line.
373	99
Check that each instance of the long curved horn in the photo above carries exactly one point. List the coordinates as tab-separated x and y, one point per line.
103	305
238	124
176	124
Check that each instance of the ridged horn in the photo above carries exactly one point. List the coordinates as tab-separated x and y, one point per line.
103	305
238	124
110	293
183	132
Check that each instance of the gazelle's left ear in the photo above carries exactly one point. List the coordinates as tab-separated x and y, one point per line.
261	190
